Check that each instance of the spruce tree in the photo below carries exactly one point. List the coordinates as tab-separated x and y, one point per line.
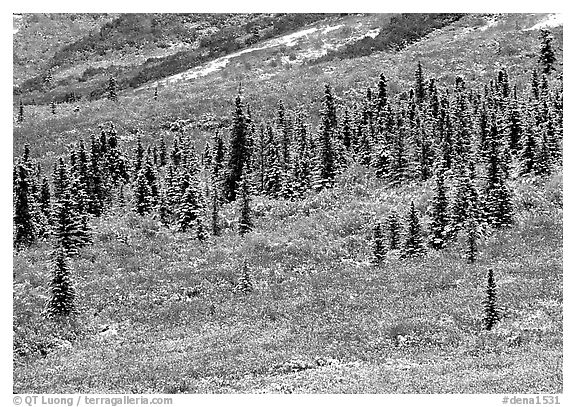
465	203
414	244
191	207
25	229
393	229
112	89
378	246
53	107
325	161
498	209
382	100
245	282
142	195
420	91
20	112
61	301
67	231
491	314
547	56
238	151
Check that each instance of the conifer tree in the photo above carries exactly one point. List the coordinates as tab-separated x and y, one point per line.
498	209
491	314
439	213
238	151
218	157
245	224
142	194
191	207
465	203
53	107
378	246
112	89
514	125
25	229
61	301
382	100
543	159
420	91
245	282
20	112
547	56
325	162
414	244
67	231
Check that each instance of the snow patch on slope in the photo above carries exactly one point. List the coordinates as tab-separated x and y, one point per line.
490	22
373	33
288	40
552	20
15	17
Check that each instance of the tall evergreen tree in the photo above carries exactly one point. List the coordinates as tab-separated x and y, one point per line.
112	89
498	209
393	227
420	91
491	314
325	161
547	56
238	151
143	200
378	245
20	112
414	243
25	229
472	236
61	301
68	231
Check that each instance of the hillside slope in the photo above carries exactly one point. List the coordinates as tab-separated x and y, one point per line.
160	310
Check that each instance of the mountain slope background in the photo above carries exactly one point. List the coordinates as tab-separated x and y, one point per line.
160	306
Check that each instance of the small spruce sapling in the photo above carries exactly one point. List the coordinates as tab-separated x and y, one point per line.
491	314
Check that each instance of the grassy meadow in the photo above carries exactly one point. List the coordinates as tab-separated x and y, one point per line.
159	311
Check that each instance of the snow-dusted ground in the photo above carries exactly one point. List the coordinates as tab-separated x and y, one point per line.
551	20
